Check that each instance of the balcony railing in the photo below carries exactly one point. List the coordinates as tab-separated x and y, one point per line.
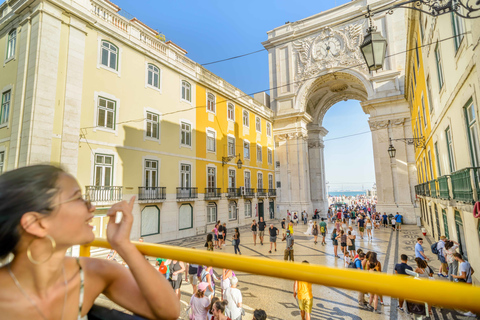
249	193
233	193
272	193
462	185
261	193
426	189
443	191
104	193
433	188
187	193
212	193
152	193
476	180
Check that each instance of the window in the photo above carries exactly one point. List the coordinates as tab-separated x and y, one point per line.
212	212
152	125
231	178
451	159
5	108
103	170
472	131
246	149
259	153
248	209
439	233
211	177
232	210
460	235
150	221
11	42
445	223
186	134
279	184
106	113
418	54
429	96
248	183
260	180
437	157
420	123
269	156
153	76
211	145
231	112
185	217
2	161
457	26
277	164
413	91
430	163
422	29
151	173
438	59
270	181
414	76
185	175
231	146
258	124
269	129
246	122
210	102
424	111
109	56
186	91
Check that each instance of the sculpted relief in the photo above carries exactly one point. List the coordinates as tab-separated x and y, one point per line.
331	48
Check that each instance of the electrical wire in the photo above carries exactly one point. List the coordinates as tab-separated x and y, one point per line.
350	135
231	58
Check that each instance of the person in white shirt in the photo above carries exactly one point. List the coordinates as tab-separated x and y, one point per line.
199	303
347	259
234	298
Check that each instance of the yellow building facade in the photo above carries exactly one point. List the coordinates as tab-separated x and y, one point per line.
107	99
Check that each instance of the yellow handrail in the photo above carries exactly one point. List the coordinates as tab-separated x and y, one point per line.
438	293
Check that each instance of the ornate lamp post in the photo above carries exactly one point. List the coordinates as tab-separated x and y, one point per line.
374	46
229	158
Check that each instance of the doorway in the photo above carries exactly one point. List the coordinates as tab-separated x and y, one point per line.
260	209
271	208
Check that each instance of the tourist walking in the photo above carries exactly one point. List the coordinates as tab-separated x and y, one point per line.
373	265
208	277
359	266
335	237
236	241
393	222
209	242
323	231
288	254
343	241
361	226
220	235
199	303
290	227
369	229
400	269
177	268
398	221
261	230
465	269
273	231
451	248
215	234
224	229
233	296
254	232
315	232
191	275
284	226
385	220
353	236
302	291
419	253
225	280
442	257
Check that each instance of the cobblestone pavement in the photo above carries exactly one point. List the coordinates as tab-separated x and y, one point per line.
275	295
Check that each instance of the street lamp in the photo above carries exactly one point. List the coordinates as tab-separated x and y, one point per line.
417	142
229	158
391	151
374	46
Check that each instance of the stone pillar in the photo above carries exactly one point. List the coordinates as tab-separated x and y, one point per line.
316	161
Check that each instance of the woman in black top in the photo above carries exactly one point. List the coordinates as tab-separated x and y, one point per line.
220	236
236	241
177	268
254	231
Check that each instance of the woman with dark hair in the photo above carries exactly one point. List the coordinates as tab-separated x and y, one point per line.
423	269
210	315
209	242
42	214
218	310
236	241
254	232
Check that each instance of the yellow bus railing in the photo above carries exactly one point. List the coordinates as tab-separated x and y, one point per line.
438	293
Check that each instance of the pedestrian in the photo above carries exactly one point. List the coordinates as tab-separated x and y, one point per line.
177	268
465	269
315	232
335	237
344	225
369	229
273	237
423	269
259	314
225	280
210	315
398	221
361	226
199	303
295	218
284	225
261	229
419	253
209	242
254	231
289	215
343	241
191	275
218	310
347	259
233	296
393	221
301	216
288	254
323	230
373	265
224	229
215	234
208	277
441	256
236	241
303	292
450	248
359	266
400	268
353	236
220	235
162	267
305	217
385	220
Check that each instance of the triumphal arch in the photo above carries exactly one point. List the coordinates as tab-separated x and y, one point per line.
315	63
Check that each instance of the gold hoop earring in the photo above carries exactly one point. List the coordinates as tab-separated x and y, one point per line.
29	251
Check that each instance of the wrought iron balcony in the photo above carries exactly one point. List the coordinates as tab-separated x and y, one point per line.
152	193
462	188
104	193
249	193
233	193
443	192
212	193
187	193
261	193
272	193
433	188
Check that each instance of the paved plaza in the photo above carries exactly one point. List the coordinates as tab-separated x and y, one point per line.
275	296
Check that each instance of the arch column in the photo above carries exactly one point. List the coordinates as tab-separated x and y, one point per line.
316	161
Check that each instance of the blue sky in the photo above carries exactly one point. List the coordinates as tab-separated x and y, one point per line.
213	30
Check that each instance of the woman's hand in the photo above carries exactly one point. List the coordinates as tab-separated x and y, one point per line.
118	234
